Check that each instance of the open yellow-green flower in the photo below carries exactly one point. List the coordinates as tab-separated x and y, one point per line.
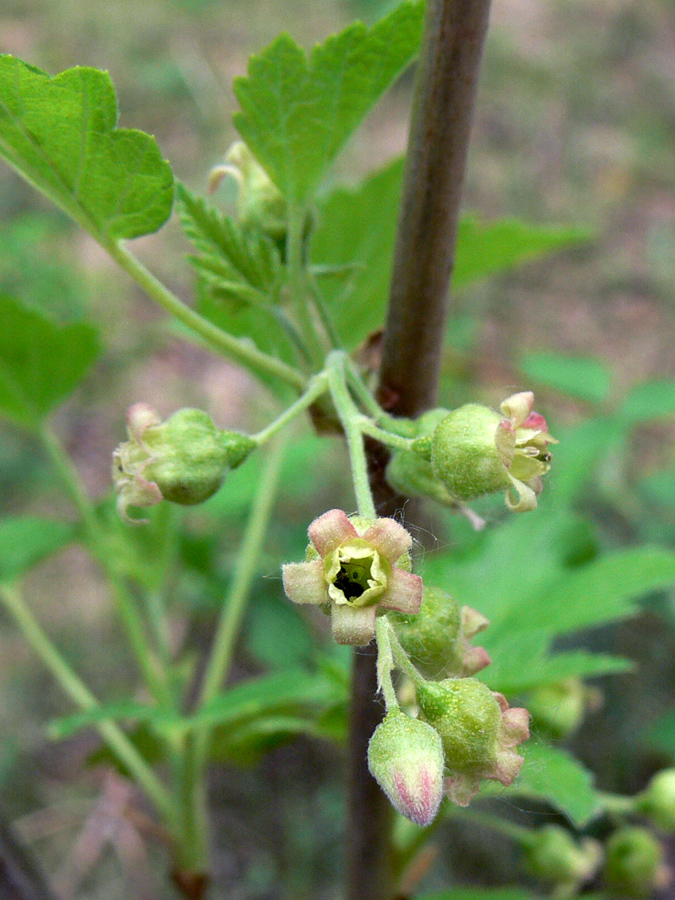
355	566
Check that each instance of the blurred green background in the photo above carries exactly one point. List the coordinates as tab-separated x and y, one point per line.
575	125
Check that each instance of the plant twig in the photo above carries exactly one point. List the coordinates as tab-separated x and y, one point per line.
444	98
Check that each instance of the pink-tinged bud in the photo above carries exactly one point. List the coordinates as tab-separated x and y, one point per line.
356	567
553	856
405	757
634	865
437	638
183	460
657	801
476	451
479	733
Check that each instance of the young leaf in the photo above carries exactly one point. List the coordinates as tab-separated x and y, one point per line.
298	113
121	711
248	258
41	362
60	134
552	774
585	378
26	541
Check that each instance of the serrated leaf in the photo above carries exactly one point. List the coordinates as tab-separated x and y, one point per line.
648	401
603	591
60	134
27	540
585	378
121	711
249	257
40	362
581	449
554	775
487	247
354	243
298	113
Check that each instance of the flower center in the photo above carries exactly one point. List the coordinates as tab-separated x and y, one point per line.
355	575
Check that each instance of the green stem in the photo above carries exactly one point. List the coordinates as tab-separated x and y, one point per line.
227	630
385	663
617	804
114	737
350	418
323	311
383	436
297	286
316	387
243	351
191	788
404	427
402	661
130	615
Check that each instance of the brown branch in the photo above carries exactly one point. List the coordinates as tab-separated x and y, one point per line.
445	91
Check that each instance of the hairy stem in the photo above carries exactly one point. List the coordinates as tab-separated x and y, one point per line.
445	90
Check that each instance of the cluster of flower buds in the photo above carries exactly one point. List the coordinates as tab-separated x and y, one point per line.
634	865
555	857
183	460
474	450
558	709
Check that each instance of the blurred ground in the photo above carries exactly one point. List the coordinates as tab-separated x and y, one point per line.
575	125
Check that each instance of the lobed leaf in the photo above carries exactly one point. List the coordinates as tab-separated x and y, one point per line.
41	362
27	540
60	134
298	113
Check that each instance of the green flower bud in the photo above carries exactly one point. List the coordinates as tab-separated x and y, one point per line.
437	638
657	801
476	451
260	203
555	857
559	709
405	757
478	730
634	865
183	460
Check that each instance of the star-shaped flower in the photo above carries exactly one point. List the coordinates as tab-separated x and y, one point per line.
355	566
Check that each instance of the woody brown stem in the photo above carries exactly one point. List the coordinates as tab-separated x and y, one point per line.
445	90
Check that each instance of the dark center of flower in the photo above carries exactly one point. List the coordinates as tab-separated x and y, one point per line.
352	579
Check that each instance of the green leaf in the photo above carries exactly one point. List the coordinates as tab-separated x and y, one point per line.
354	244
584	378
123	710
60	134
554	775
246	258
485	248
651	400
26	541
603	591
662	732
298	113
40	363
580	451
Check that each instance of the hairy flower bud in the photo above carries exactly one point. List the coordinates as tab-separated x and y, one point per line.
437	638
183	460
555	857
657	801
634	865
478	730
259	203
405	757
476	451
355	566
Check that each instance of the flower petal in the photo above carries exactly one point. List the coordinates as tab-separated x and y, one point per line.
389	538
330	530
527	499
518	407
353	626
404	592
304	582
